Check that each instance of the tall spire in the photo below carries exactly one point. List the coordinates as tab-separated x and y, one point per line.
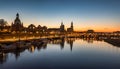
61	23
17	15
72	24
62	27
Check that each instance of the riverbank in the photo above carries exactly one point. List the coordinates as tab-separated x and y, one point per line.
11	46
115	42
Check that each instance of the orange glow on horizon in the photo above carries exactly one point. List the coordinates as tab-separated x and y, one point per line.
77	27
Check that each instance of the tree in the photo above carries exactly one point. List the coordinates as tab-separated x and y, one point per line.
3	23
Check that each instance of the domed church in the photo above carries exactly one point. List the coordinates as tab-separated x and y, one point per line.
17	26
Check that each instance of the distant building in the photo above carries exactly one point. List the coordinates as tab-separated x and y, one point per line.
41	29
17	26
57	30
53	29
62	28
116	32
90	31
31	28
71	28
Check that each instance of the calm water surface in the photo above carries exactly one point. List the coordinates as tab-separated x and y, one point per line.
65	54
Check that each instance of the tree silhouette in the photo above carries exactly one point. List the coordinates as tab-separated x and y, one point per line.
3	23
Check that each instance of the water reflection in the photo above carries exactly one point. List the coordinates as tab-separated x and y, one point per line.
4	55
17	52
61	42
70	42
32	48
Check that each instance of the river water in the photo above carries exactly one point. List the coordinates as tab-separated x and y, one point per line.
68	53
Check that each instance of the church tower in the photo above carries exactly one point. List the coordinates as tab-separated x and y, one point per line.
17	20
62	29
17	26
72	25
71	28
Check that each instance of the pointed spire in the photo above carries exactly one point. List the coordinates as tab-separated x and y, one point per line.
62	23
17	15
72	24
12	23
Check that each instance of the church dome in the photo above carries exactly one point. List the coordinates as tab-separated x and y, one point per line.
17	20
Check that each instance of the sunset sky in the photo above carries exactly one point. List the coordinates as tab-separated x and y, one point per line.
99	15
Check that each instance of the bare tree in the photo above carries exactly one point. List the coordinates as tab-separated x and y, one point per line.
3	23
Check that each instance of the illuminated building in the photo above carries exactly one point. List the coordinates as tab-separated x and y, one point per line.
17	26
57	30
71	28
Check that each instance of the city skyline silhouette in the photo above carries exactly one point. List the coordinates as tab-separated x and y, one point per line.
59	34
99	15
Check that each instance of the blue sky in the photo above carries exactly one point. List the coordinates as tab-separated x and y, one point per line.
100	15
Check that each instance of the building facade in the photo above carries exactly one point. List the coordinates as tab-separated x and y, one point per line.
57	30
71	28
62	27
17	26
